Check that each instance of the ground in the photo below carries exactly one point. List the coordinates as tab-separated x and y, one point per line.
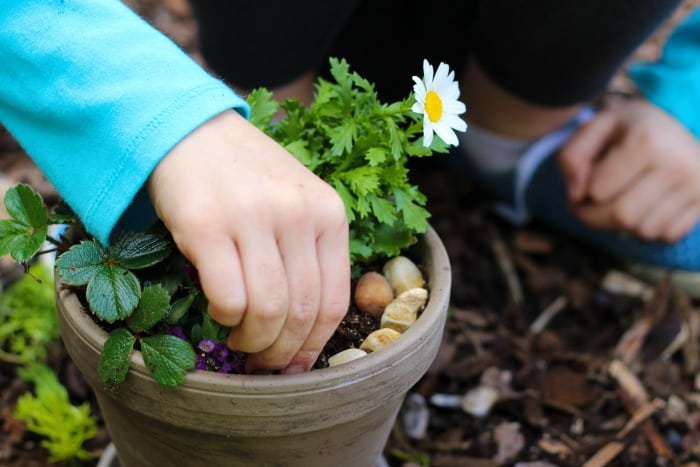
551	355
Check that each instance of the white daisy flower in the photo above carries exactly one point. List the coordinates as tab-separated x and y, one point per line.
436	99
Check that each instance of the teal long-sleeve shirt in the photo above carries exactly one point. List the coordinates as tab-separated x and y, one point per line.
673	82
97	97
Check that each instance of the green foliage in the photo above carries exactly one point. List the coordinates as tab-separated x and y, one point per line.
168	358
28	321
153	306
113	290
23	234
49	413
116	357
360	146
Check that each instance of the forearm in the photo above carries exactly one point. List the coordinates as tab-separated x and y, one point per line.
97	97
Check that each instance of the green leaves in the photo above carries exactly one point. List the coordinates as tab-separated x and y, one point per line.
113	291
152	308
80	264
141	250
360	146
22	236
116	357
168	358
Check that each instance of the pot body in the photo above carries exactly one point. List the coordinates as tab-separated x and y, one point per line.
340	416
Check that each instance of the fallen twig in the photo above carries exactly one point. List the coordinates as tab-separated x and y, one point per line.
548	314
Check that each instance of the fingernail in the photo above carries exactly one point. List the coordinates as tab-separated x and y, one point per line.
294	369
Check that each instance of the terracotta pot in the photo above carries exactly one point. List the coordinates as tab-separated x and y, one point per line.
340	416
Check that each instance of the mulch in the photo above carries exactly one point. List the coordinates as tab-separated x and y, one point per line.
552	355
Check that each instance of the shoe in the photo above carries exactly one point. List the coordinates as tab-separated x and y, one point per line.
535	189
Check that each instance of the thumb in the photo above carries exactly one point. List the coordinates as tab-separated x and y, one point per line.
577	157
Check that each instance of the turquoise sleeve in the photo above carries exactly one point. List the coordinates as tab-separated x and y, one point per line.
673	82
97	97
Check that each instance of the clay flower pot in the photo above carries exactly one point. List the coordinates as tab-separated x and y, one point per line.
340	416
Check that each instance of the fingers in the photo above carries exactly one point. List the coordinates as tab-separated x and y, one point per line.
625	212
302	274
334	262
577	157
318	272
219	268
267	293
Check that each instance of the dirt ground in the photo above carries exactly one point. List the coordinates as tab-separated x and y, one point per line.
552	356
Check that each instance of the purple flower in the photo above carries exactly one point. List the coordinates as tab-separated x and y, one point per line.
206	346
220	352
226	367
201	363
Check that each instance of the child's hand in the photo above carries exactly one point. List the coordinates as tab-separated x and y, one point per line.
269	239
635	169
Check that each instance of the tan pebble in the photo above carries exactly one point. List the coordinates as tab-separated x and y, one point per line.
402	274
373	293
345	356
413	298
379	338
398	316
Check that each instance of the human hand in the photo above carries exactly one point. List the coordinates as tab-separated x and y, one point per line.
634	168
268	238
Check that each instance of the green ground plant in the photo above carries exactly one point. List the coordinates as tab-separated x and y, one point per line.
48	412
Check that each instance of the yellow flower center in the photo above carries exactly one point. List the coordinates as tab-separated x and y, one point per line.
433	106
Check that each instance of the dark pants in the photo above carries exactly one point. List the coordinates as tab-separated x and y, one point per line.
549	52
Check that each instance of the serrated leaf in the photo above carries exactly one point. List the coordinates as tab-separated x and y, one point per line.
362	180
179	308
113	293
152	307
376	156
300	151
414	215
383	209
140	250
168	358
20	241
342	137
262	107
26	206
80	264
116	357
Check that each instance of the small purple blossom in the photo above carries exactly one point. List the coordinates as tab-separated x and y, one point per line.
220	352
206	346
201	363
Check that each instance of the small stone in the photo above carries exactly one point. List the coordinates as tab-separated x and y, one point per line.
398	316
373	293
413	298
479	400
379	338
402	274
345	356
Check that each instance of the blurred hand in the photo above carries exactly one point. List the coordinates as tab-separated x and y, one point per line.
634	168
268	237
